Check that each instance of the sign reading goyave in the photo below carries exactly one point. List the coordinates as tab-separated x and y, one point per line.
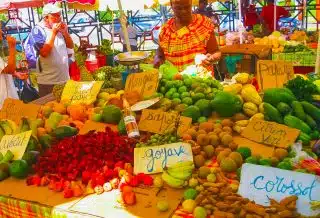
273	74
145	83
160	122
17	144
81	92
260	183
153	159
270	133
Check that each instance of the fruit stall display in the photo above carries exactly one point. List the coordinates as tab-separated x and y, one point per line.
61	159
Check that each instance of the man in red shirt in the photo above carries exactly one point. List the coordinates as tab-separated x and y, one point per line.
267	15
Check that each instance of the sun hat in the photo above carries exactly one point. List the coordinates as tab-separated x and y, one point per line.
50	9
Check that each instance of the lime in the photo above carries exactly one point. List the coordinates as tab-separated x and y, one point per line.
176	101
198	96
195	85
96	117
210	96
185	94
176	95
173	90
169	84
19	169
199	90
187	101
163	89
180	107
188	82
169	95
178	83
182	89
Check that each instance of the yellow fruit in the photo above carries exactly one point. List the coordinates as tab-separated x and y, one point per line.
189	205
261	108
242	78
258	116
233	88
250	94
242	123
237	158
250	109
228	165
280	153
223	154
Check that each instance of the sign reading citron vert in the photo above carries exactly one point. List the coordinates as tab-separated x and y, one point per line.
81	92
17	144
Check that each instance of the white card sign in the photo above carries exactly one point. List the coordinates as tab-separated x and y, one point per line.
150	160
259	183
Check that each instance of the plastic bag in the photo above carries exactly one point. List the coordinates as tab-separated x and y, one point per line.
7	88
303	160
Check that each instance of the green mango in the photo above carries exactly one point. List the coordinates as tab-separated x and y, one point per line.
64	131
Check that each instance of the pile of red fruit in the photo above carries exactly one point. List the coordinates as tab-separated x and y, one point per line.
102	161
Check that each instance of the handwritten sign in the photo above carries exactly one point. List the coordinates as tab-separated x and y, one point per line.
259	183
153	159
160	122
15	109
257	149
273	74
270	133
90	125
81	92
17	144
145	83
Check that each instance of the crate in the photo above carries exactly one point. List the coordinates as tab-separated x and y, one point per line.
251	54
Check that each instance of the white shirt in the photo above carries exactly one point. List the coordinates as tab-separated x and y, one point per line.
7	88
54	67
132	32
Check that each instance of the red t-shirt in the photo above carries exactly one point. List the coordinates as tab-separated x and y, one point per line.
267	15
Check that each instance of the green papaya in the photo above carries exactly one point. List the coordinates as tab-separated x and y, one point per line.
64	131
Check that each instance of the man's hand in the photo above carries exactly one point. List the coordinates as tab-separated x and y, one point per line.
11	42
63	29
56	27
157	62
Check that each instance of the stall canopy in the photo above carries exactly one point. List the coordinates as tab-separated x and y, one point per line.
16	4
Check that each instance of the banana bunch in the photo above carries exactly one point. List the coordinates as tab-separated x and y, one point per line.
176	176
7	127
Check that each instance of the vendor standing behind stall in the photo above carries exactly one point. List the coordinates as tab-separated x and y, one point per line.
186	35
268	18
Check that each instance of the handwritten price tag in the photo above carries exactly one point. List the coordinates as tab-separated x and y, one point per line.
160	122
14	110
270	133
260	183
273	74
81	92
145	83
17	144
151	160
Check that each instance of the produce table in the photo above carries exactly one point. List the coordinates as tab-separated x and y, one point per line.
19	200
306	59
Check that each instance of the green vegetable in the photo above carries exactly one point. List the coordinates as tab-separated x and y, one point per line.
317	83
284	108
1	156
204	106
301	88
276	95
65	131
111	114
226	104
285	165
122	127
310	121
315	135
265	162
45	141
271	113
190	194
19	169
4	171
252	160
7	157
298	110
304	138
245	152
295	122
192	112
312	110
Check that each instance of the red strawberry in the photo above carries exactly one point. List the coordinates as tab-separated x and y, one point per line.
58	186
68	193
36	180
86	176
119	164
45	181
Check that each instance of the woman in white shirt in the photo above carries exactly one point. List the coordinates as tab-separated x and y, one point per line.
7	71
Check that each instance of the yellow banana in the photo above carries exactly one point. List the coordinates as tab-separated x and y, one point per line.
13	125
171	181
183	174
181	169
2	133
24	125
6	127
181	164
